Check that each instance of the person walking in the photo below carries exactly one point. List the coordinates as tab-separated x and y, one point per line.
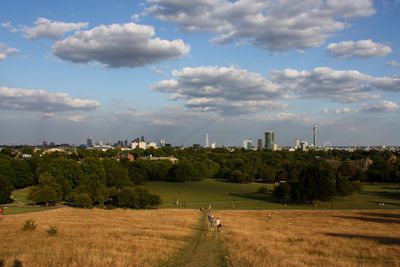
218	223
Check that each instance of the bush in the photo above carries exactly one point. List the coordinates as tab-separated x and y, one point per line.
29	225
262	190
281	191
52	231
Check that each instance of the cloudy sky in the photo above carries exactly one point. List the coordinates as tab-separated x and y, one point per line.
177	69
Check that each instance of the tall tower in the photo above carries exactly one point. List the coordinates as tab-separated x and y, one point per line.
207	141
269	140
315	135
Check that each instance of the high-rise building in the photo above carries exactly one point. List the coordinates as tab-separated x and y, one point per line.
269	140
207	141
89	142
259	144
315	135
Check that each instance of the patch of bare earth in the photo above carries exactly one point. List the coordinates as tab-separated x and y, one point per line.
312	238
96	237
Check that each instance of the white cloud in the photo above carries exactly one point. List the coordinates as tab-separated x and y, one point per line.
361	49
7	25
340	86
393	63
45	28
383	106
42	101
119	45
226	90
339	110
6	51
275	25
76	118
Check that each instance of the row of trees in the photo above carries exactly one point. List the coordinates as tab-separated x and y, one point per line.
90	177
318	181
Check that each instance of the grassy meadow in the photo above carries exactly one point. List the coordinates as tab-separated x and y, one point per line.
312	238
166	237
224	195
96	237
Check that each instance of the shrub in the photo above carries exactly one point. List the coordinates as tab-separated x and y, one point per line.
29	225
52	231
281	191
262	190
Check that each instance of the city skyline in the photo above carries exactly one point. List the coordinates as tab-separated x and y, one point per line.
176	70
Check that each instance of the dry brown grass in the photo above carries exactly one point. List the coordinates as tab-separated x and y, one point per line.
312	238
96	237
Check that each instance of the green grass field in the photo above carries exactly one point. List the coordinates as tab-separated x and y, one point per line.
223	195
20	195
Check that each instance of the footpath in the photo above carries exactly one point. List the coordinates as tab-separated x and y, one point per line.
205	249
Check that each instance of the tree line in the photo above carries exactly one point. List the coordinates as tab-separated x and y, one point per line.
88	177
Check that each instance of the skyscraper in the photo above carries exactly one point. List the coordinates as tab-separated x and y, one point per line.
315	135
89	142
207	141
269	140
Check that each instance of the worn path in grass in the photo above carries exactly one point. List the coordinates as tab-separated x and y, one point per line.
205	249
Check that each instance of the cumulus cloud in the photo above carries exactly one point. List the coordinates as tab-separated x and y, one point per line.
226	90
6	51
383	106
275	25
45	28
393	63
7	25
42	101
339	110
76	118
339	86
360	49
119	45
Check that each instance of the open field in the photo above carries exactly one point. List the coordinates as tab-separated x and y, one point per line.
96	237
312	238
224	195
173	237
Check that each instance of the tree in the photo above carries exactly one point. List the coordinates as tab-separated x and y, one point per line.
281	191
47	192
317	182
23	175
6	189
116	174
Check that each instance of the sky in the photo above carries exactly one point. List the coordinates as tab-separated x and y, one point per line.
175	70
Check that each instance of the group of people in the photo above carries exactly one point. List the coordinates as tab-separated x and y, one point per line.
214	222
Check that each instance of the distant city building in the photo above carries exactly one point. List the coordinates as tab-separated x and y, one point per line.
89	142
259	144
247	144
269	140
171	158
151	144
140	144
213	145
162	143
207	141
296	143
315	135
303	145
197	146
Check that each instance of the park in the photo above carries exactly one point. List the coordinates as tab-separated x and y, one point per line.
256	231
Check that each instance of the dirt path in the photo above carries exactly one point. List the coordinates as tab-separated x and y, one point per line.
205	249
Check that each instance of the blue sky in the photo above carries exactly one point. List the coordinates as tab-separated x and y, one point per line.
175	70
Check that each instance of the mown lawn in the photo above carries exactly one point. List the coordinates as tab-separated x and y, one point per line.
223	195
